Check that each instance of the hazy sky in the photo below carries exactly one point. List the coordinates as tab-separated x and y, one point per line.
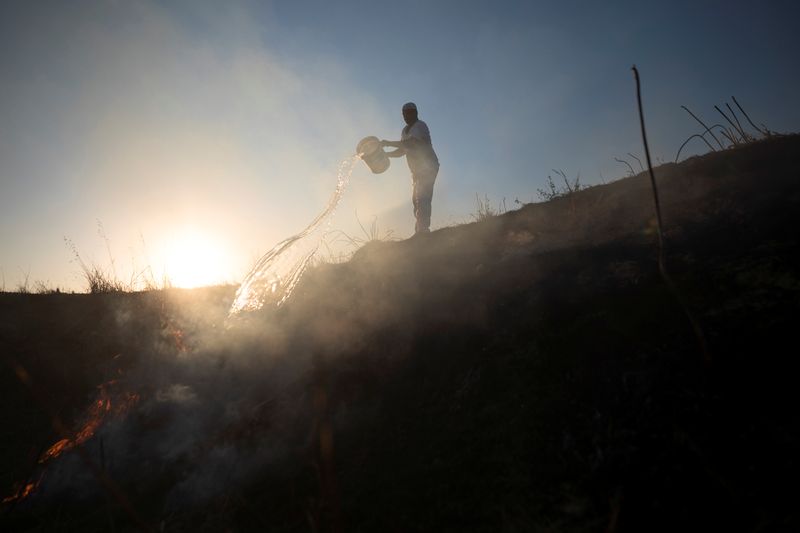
214	129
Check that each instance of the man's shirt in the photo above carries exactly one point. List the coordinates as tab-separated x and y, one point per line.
420	155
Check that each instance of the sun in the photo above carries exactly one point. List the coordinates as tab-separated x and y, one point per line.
194	259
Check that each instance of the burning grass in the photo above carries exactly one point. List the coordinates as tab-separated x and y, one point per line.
96	415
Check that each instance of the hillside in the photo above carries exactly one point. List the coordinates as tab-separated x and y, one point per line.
529	372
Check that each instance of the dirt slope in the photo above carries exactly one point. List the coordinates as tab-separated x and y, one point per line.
528	372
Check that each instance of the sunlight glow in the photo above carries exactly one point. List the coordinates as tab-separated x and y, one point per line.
195	259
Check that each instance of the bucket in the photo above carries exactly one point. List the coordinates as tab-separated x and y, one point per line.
373	154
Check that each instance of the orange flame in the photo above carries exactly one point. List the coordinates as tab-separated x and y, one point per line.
177	335
180	344
95	416
94	419
20	492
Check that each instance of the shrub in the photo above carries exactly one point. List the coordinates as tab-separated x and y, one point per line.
554	191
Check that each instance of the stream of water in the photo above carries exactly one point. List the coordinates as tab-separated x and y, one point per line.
276	274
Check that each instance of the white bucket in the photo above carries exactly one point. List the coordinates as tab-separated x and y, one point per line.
373	154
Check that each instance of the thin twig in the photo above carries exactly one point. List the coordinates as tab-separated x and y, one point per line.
360	225
729	121
652	175
661	264
564	177
745	135
102	233
730	136
687	141
626	163
747	116
637	159
708	130
720	126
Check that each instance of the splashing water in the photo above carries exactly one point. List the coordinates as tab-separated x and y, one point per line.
277	273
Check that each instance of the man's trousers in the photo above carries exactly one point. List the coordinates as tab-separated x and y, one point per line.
421	197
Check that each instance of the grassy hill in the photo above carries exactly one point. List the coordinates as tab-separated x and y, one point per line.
529	372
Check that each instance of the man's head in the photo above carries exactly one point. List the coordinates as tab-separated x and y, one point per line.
410	113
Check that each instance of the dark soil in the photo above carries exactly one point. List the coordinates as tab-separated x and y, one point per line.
529	372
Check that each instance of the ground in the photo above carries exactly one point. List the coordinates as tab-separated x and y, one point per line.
529	372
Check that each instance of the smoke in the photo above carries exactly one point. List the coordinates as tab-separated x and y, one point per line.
220	408
223	409
191	129
173	117
214	409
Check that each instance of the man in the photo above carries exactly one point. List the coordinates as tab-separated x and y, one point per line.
415	144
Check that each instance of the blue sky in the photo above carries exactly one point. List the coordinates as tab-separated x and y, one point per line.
220	125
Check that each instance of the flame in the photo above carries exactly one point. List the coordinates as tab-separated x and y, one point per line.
180	344
94	419
96	415
177	336
20	492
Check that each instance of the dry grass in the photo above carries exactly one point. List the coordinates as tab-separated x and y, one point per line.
101	279
341	246
733	134
484	208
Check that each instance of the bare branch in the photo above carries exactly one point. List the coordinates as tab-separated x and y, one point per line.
746	136
625	163
731	123
661	263
702	124
637	159
747	117
687	141
730	136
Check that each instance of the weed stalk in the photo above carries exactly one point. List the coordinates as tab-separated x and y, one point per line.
708	130
661	264
748	117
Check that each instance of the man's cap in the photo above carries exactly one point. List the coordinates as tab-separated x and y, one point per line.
410	105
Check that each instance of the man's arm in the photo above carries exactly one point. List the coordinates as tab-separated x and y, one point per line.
400	152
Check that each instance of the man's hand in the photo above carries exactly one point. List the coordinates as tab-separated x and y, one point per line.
399	152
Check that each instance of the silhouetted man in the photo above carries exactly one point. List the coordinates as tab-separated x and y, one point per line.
415	144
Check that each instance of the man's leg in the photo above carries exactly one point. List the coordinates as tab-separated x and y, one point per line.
423	196
415	201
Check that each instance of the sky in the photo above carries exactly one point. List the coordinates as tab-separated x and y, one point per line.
192	136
